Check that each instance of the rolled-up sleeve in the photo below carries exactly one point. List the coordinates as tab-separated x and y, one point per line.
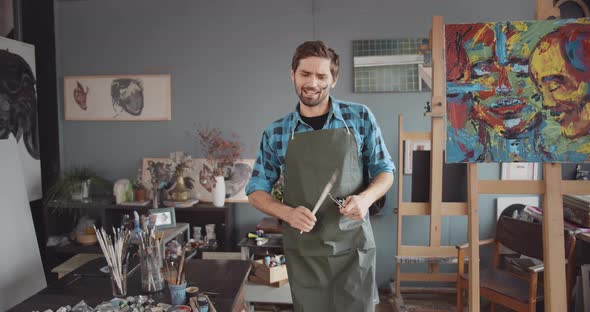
266	169
374	151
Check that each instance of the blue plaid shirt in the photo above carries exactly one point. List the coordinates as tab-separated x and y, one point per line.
270	161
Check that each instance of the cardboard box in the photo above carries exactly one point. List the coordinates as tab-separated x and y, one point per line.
269	275
257	280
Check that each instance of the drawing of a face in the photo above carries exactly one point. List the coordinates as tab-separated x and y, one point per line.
127	95
492	84
18	101
560	68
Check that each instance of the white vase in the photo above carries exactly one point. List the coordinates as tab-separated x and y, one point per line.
218	192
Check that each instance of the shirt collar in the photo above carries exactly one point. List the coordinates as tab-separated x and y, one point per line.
334	111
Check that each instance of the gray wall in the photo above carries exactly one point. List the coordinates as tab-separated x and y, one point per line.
229	62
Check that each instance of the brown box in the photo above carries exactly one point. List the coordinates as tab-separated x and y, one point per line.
257	280
269	275
577	215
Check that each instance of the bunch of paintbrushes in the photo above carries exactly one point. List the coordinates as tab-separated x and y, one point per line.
150	252
115	251
174	271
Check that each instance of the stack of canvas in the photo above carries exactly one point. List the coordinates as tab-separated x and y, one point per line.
576	208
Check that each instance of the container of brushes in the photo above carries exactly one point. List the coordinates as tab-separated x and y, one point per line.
150	267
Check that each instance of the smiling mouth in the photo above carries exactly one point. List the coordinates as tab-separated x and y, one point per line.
507	108
311	92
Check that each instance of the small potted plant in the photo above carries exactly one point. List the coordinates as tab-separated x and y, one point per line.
138	187
73	185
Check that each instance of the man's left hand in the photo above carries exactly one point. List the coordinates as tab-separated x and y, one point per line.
355	207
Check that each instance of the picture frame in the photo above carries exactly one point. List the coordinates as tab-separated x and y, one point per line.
390	65
165	217
520	171
409	147
117	97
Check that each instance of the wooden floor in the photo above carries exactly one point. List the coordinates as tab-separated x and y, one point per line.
411	303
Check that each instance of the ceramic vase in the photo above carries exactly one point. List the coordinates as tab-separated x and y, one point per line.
218	192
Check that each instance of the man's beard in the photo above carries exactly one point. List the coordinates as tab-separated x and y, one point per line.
313	102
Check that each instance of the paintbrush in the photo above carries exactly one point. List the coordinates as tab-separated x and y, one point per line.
180	268
324	194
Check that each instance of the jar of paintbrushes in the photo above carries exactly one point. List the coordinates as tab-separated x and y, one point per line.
150	259
115	249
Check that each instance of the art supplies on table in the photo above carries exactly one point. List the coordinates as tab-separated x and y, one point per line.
115	250
151	253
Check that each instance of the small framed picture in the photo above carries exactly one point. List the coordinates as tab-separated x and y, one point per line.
165	217
410	147
519	171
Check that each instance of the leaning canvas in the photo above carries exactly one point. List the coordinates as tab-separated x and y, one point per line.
18	109
518	91
117	98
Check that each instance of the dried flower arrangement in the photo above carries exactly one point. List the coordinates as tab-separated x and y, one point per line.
221	154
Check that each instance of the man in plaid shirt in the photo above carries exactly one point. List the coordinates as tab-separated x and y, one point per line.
322	136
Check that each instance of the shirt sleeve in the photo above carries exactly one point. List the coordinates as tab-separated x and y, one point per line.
266	169
374	150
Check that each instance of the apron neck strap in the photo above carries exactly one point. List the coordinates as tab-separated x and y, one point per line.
297	122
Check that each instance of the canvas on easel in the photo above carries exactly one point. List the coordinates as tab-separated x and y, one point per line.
518	91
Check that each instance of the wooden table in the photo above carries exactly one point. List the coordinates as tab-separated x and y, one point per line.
74	263
225	277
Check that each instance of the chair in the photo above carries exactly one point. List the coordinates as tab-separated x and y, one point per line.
516	290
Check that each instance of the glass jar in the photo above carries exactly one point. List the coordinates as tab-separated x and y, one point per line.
119	282
150	266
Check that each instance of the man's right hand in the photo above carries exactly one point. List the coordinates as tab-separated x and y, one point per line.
301	218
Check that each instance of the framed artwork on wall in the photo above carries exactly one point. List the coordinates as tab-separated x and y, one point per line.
409	147
391	65
117	98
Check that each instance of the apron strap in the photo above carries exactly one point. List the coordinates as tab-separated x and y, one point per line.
297	122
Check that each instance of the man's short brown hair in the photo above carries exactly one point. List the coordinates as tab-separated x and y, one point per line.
319	49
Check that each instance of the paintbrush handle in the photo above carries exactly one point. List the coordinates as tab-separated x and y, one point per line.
180	268
324	194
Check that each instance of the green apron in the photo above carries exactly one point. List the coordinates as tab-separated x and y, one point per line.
331	268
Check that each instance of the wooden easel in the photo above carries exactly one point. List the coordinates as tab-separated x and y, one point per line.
433	254
552	188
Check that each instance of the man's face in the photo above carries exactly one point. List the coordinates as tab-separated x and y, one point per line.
503	95
313	80
565	90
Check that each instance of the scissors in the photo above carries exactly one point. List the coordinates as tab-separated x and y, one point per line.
339	202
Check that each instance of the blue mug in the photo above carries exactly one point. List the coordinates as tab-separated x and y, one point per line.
177	293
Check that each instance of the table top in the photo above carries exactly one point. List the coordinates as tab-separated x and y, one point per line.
225	277
274	241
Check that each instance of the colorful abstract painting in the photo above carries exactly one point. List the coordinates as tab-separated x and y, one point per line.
518	91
